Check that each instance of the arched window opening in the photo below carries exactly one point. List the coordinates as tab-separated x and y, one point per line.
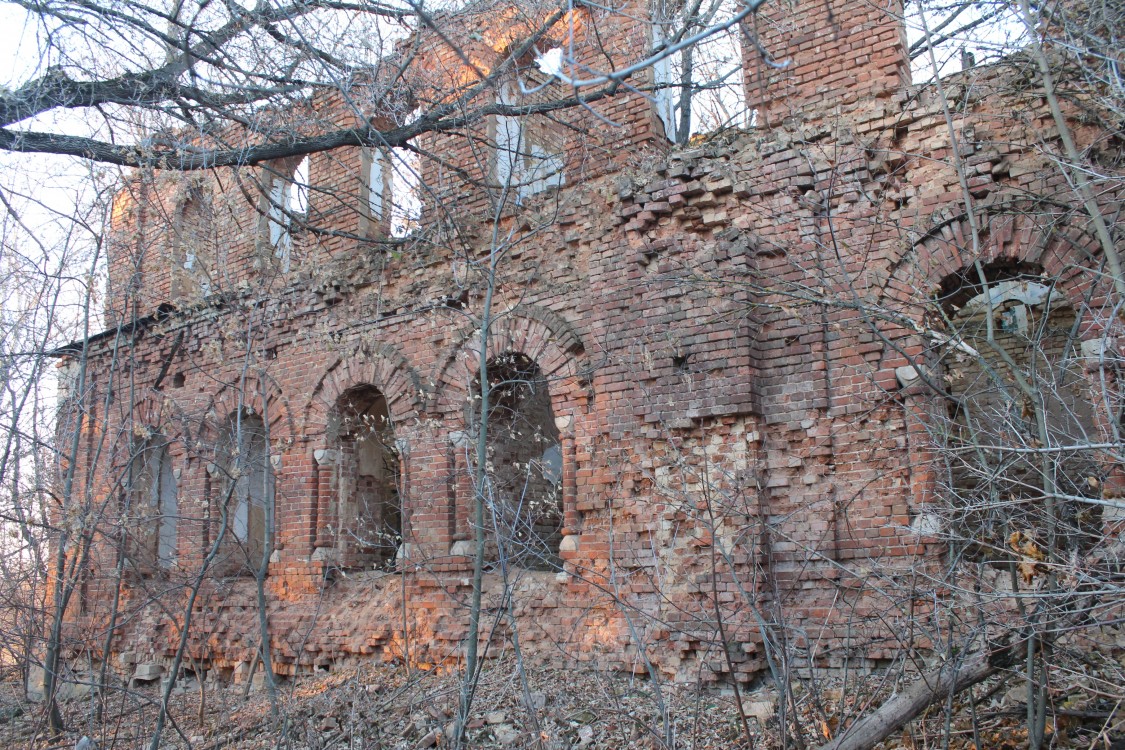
152	523
249	491
1017	386
524	462
367	480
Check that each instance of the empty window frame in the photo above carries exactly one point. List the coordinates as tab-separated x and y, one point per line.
367	479
152	522
700	88
375	187
405	206
527	163
391	201
288	203
524	461
246	459
963	35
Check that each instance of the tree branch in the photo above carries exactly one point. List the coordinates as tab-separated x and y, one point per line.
932	687
190	157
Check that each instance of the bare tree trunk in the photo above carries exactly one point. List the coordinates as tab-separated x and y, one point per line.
479	478
181	649
683	128
932	687
63	587
269	493
114	613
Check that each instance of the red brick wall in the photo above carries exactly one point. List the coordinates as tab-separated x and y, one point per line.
823	55
732	428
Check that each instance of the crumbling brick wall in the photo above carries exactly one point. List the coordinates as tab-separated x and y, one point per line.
721	331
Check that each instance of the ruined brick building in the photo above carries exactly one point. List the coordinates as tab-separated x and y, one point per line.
713	427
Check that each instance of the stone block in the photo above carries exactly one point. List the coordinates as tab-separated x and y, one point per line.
148	672
36	683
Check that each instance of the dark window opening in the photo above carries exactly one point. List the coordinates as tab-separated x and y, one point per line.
1019	391
367	480
524	462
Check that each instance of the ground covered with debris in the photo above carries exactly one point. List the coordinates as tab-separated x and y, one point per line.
397	708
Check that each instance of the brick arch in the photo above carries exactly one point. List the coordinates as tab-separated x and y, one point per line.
1017	235
542	335
378	365
151	414
257	394
1013	230
153	410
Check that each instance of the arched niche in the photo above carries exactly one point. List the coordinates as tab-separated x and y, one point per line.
560	373
1022	247
369	368
142	471
193	243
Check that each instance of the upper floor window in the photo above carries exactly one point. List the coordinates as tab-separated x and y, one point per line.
376	184
404	208
299	188
698	89
527	162
664	96
288	204
375	187
193	247
390	195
